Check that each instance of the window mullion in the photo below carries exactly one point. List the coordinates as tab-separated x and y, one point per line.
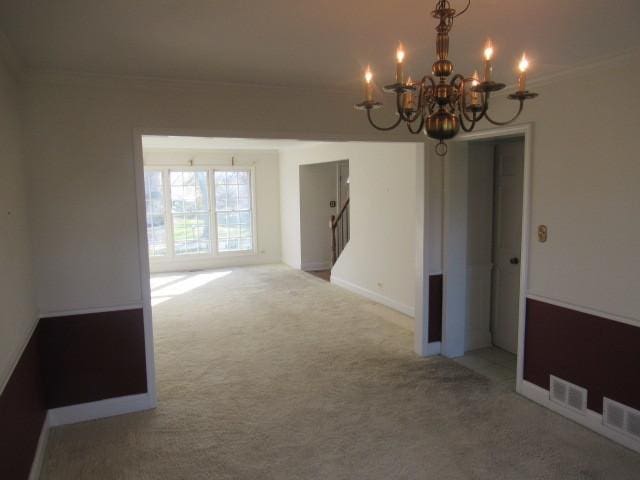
168	214
213	213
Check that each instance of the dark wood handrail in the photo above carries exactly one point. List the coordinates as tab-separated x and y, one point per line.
339	239
334	219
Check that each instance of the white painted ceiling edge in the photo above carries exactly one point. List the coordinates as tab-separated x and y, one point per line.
171	142
320	45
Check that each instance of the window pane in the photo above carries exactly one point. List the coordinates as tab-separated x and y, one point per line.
221	178
233	207
154	202
221	197
243	178
190	208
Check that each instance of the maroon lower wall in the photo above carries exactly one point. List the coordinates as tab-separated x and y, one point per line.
69	360
93	357
596	353
22	414
435	309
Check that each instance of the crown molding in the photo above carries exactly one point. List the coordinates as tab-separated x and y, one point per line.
10	58
65	77
576	71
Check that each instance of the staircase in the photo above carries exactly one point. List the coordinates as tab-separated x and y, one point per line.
339	226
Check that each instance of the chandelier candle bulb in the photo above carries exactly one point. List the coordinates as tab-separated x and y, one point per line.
475	96
407	97
399	64
523	66
368	85
488	55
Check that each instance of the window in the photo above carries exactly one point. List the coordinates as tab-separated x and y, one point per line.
233	210
154	199
199	212
190	211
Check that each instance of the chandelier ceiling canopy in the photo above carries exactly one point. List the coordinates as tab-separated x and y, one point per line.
437	105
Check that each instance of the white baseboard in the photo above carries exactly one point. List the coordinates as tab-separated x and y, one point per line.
38	458
592	420
376	297
433	349
101	409
315	266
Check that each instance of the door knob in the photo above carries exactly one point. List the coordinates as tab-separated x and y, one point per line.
514	261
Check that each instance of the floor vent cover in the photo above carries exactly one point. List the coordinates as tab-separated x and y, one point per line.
622	418
568	395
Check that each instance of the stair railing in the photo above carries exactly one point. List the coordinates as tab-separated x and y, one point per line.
340	231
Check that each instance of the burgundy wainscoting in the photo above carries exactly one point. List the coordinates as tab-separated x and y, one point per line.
435	308
596	353
93	357
22	414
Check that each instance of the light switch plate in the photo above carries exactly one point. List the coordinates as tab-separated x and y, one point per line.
542	233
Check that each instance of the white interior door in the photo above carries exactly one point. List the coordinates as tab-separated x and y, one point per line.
507	239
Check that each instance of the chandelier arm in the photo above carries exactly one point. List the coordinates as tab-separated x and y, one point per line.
412	118
463	10
399	108
419	129
495	122
383	129
456	77
464	126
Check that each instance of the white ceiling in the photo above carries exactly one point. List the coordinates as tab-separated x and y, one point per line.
207	143
320	43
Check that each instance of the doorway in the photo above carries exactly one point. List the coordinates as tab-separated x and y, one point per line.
484	258
324	197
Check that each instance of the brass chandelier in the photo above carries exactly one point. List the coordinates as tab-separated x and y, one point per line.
439	107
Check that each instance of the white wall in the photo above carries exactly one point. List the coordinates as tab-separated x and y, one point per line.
379	260
18	314
318	187
585	173
80	145
267	203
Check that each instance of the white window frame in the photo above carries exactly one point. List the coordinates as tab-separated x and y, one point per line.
254	236
171	257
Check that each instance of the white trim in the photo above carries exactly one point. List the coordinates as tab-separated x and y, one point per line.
145	273
38	458
109	407
376	297
591	420
316	266
433	349
454	251
421	317
86	311
525	130
590	311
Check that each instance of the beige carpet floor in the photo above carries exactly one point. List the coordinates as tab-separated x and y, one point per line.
269	373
